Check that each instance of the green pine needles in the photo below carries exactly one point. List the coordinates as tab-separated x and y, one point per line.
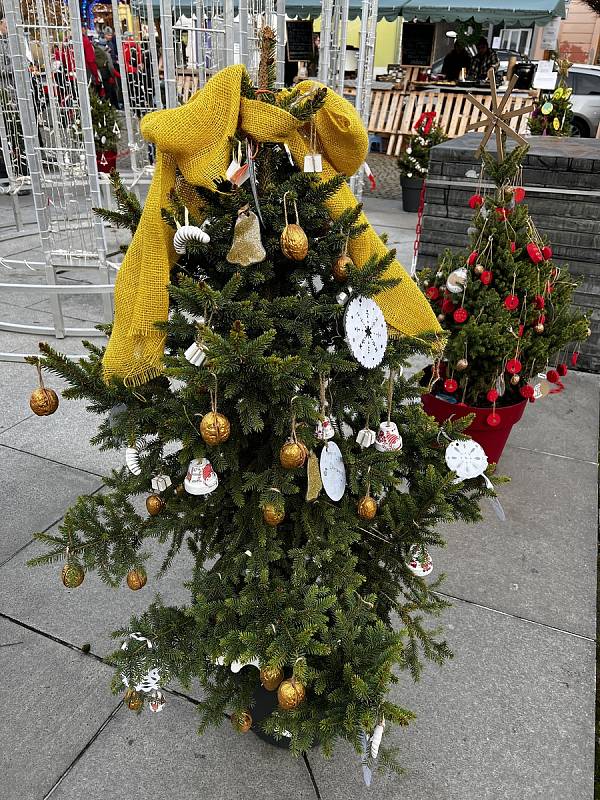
325	596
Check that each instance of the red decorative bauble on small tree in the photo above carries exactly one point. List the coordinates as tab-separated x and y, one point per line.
502	212
539	302
553	376
475	201
492	395
519	194
534	253
460	315
511	302
562	370
450	385
447	306
513	366
432	293
527	391
472	258
547	252
513	247
486	277
493	419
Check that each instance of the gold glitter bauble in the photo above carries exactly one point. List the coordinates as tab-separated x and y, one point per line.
294	244
515	379
72	575
462	364
247	247
479	268
133	700
154	504
272	516
136	579
340	268
290	694
43	402
367	507
271	677
539	328
292	455
242	722
214	428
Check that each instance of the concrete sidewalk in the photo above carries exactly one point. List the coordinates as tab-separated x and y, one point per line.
510	718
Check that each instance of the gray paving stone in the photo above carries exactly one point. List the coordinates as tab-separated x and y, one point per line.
38	492
83	306
90	613
64	436
541	562
565	423
14	393
53	701
160	756
510	718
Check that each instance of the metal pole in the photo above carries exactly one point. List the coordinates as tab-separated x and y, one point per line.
131	143
366	53
153	55
243	24
280	72
87	131
168	53
199	43
326	41
228	18
341	70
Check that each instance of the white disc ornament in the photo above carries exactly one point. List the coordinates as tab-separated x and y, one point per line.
188	233
201	477
333	471
419	562
467	458
455	282
366	331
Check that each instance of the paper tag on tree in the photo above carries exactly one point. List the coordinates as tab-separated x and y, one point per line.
240	175
232	169
313	162
333	471
541	387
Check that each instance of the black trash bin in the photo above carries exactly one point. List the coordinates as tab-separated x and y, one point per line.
524	70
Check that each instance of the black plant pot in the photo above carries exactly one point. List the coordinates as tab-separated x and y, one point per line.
411	193
264	704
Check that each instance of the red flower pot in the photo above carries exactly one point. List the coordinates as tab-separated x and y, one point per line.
492	439
109	162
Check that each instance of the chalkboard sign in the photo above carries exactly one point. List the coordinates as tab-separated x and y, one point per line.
299	40
417	44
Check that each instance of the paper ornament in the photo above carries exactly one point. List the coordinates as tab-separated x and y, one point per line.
333	471
455	282
201	477
247	247
366	331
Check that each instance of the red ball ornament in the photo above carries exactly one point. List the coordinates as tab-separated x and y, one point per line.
460	315
447	306
450	385
519	194
472	258
486	277
534	253
502	213
493	420
562	370
511	302
492	395
432	293
527	391
475	201
513	366
521	330
553	376
513	247
547	252
539	302
574	358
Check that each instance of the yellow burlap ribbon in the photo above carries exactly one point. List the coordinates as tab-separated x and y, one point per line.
195	139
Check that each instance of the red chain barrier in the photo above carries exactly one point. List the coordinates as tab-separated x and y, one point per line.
418	231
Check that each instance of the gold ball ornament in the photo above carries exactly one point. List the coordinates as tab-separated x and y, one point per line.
367	507
272	516
292	455
72	575
43	402
539	328
136	579
271	677
294	243
515	379
154	504
290	694
214	428
180	490
133	700
462	364
340	268
242	722
479	268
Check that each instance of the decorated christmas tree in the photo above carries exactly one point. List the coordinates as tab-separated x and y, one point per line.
552	114
414	160
505	304
258	400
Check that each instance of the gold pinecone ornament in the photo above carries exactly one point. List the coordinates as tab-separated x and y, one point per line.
340	267
136	579
292	455
290	694
271	677
43	402
154	504
242	721
72	575
133	700
294	244
272	515
367	507
215	428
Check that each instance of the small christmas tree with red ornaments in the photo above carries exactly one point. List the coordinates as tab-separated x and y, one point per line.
505	304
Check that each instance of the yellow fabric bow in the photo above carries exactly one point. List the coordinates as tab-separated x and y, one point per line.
195	138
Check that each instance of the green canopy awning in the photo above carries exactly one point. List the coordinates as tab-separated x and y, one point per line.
519	13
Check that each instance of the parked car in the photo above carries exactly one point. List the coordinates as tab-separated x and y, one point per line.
584	79
503	57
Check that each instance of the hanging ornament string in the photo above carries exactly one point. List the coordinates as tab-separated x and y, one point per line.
390	394
250	155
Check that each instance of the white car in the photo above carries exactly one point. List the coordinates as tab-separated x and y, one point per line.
584	79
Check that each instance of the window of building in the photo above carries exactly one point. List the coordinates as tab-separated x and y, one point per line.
516	39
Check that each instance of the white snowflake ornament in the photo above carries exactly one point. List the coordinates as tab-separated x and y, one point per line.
366	331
